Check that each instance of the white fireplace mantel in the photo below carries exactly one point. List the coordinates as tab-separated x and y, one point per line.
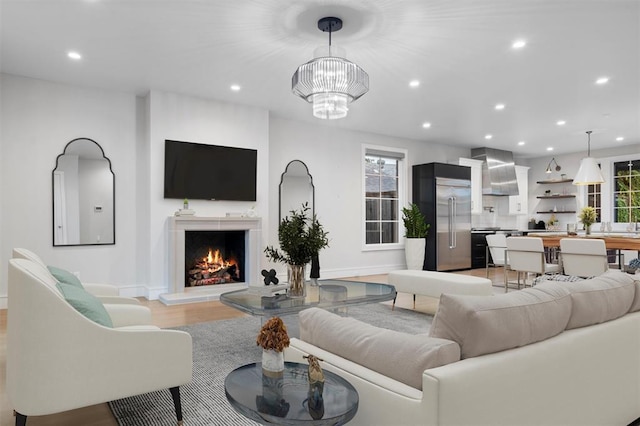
177	227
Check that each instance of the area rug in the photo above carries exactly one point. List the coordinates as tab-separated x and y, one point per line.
221	346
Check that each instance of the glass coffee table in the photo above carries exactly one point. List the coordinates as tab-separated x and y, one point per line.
329	294
289	400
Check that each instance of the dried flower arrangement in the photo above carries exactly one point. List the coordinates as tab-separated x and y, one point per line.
273	335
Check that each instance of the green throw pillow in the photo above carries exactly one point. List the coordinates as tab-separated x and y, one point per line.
64	276
85	303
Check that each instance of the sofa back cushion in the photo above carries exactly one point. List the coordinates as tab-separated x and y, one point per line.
482	325
635	306
400	356
600	299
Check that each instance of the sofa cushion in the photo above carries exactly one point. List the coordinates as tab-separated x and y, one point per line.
400	356
635	306
600	299
64	276
85	303
482	325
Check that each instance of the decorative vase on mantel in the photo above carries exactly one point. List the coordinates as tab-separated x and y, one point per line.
295	275
587	229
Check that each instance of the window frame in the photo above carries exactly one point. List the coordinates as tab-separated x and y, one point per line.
401	155
607	189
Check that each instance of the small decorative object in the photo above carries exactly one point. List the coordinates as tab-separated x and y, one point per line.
552	223
315	401
273	338
588	217
301	237
185	204
270	277
416	230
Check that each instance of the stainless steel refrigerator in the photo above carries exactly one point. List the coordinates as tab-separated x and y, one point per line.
443	194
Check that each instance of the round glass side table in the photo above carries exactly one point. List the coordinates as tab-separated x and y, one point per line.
290	400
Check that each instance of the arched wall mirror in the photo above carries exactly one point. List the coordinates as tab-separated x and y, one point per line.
296	188
83	196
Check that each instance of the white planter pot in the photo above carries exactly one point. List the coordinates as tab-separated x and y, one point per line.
414	252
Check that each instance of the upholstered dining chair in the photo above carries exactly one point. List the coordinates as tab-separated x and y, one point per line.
496	246
59	359
526	255
583	257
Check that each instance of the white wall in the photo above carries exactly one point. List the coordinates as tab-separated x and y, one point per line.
333	156
189	119
38	119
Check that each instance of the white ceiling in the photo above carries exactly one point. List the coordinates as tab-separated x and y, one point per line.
460	50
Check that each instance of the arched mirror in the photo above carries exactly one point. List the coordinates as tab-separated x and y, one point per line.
83	196
296	188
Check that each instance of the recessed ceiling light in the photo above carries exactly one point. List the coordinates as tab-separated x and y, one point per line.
74	55
550	148
619	138
499	107
488	136
235	87
414	83
602	80
426	125
561	122
519	44
521	143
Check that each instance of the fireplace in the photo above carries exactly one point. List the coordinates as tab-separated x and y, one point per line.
237	239
213	257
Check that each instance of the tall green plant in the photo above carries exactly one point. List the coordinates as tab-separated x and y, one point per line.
300	236
415	224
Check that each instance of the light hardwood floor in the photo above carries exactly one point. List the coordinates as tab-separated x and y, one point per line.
173	316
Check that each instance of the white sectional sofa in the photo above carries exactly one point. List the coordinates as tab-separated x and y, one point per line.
556	354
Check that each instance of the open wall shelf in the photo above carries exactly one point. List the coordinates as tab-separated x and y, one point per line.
549	182
548	197
558	212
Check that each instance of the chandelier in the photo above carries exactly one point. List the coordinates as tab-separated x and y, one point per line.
329	81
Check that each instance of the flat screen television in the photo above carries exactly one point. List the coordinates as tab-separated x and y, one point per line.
209	172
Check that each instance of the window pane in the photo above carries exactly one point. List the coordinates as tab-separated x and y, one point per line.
389	232
372	165
390	168
372	185
373	210
389	209
389	187
373	233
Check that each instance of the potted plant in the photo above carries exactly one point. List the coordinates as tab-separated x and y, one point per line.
300	237
416	230
273	338
587	217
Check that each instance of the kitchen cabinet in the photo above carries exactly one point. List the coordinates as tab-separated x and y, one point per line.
519	204
476	183
479	250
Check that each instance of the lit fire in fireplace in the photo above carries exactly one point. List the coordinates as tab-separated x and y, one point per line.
213	269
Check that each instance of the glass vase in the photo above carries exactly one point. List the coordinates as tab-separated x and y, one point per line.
295	275
587	229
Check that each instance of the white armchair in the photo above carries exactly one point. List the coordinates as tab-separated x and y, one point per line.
496	246
105	292
58	359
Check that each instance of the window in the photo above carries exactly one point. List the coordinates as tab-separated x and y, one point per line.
626	191
383	196
594	199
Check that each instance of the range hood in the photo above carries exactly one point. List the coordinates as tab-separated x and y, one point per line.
498	171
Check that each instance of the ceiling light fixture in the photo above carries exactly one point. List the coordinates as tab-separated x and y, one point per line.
519	44
588	173
549	148
557	168
602	80
499	107
561	122
521	143
426	125
330	82
619	138
74	55
414	83
488	136
235	87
